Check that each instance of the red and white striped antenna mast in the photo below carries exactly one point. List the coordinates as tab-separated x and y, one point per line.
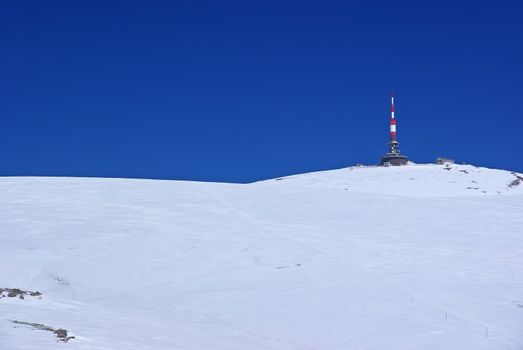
392	121
393	157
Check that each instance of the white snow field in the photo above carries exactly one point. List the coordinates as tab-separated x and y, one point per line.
415	257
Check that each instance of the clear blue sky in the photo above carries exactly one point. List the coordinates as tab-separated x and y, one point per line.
246	90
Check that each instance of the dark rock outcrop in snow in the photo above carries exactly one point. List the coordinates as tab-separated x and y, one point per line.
60	333
517	181
18	293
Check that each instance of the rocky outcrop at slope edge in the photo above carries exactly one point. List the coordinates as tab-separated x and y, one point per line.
60	333
517	181
18	293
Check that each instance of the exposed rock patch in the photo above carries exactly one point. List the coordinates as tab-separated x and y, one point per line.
18	293
517	181
60	333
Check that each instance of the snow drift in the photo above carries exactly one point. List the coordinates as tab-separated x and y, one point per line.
415	257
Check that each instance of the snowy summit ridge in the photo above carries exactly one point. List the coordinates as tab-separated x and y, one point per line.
413	257
413	180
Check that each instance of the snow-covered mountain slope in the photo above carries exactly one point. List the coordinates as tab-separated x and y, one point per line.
417	257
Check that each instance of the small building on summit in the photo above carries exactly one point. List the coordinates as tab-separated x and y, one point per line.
444	160
393	157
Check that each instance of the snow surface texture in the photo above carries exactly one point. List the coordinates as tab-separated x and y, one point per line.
415	257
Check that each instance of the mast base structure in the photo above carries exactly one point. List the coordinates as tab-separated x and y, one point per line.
394	157
394	160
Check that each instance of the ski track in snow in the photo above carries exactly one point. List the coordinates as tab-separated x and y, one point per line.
358	258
